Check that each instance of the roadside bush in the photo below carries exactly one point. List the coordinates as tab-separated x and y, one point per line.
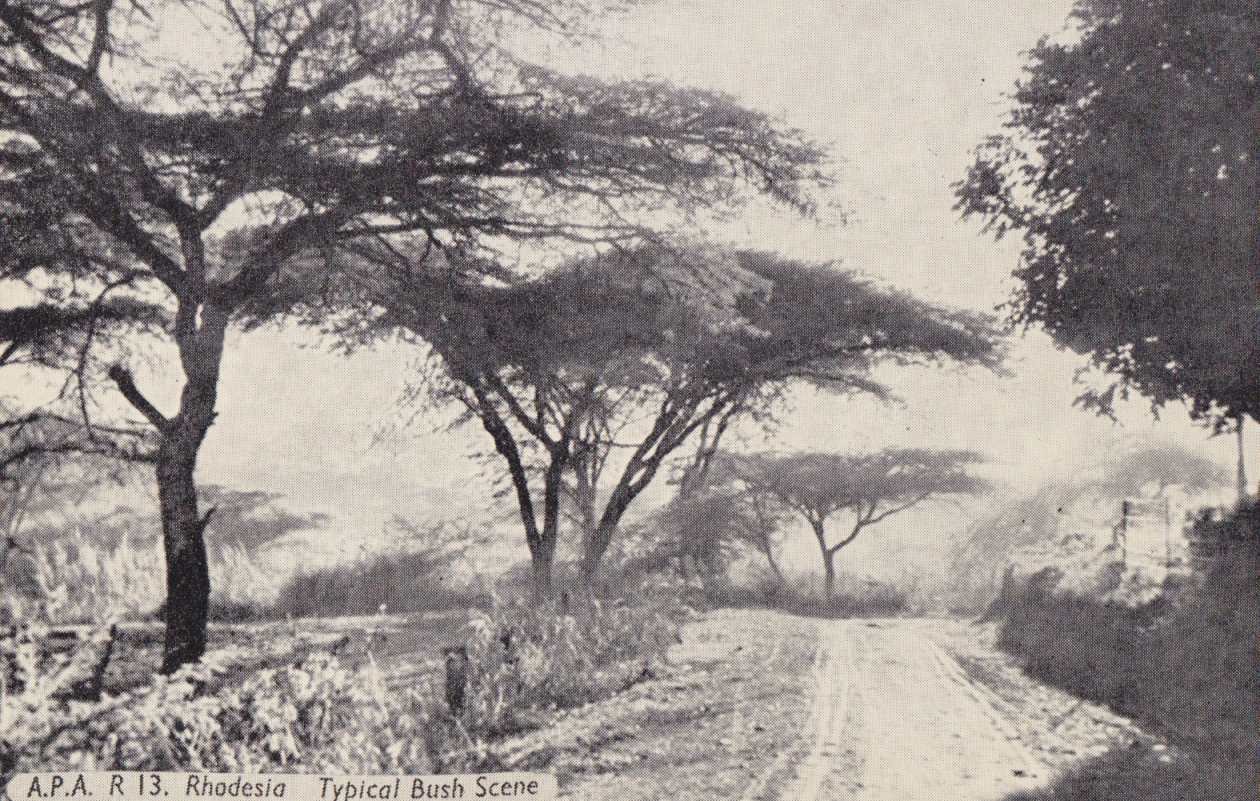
522	658
1185	664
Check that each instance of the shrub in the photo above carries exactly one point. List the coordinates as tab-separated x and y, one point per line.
417	574
1185	663
313	716
857	599
400	581
524	658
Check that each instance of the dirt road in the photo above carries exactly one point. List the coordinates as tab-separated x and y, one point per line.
770	707
896	718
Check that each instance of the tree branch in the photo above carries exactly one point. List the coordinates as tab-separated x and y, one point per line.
127	385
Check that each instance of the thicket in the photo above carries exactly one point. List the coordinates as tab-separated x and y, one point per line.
1185	665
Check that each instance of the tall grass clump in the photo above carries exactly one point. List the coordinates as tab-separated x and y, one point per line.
522	659
80	578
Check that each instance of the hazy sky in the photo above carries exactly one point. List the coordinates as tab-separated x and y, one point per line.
902	89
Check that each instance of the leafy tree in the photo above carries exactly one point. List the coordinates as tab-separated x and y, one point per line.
624	344
708	526
871	487
321	135
1129	166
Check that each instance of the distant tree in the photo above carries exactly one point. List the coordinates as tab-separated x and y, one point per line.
1127	471
625	342
251	519
1129	164
708	527
319	136
870	487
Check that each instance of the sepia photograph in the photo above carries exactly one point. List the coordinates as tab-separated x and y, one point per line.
629	400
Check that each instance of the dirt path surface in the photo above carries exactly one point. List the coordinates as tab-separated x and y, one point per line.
904	722
760	706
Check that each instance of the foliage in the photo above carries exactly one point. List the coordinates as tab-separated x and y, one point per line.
317	715
524	658
647	348
1130	470
415	576
1130	166
252	519
1185	666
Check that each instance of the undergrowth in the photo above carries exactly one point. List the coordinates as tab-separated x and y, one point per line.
519	661
1184	665
400	582
859	599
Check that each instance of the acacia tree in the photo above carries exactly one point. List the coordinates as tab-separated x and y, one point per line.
629	343
870	487
707	526
1129	166
320	134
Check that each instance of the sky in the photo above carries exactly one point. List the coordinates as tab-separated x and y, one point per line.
902	90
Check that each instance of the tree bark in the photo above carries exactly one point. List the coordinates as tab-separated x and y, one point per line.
199	333
828	556
543	555
599	542
187	565
542	566
829	574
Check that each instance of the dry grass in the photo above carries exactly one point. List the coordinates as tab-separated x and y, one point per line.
77	578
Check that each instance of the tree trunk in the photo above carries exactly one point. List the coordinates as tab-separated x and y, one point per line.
596	546
828	557
829	574
183	528
183	539
768	550
1242	462
542	561
543	555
